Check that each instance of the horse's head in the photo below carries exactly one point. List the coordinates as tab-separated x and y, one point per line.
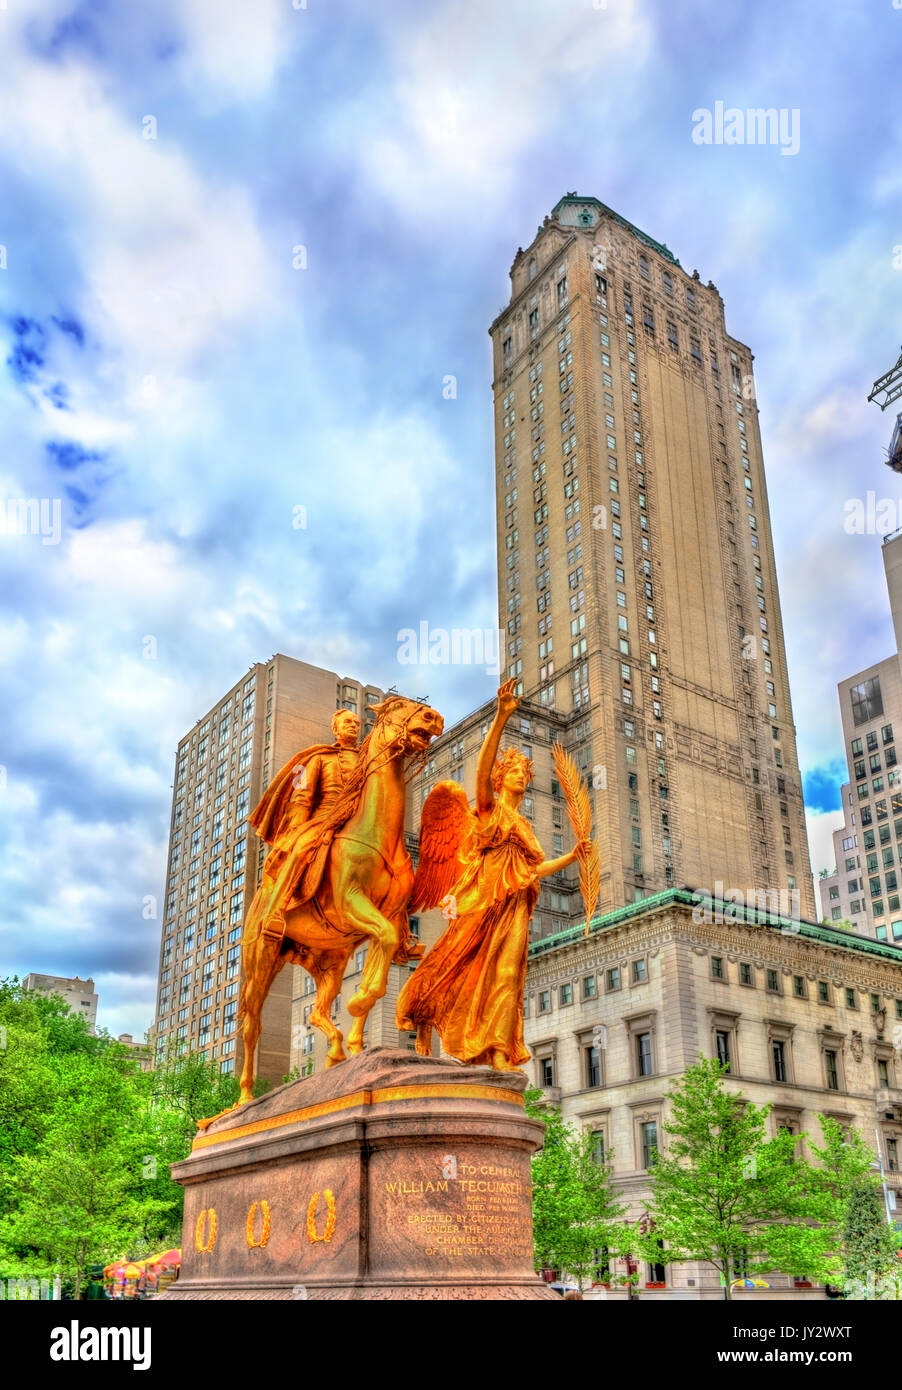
424	725
409	723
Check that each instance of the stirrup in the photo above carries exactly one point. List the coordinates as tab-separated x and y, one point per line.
408	950
274	927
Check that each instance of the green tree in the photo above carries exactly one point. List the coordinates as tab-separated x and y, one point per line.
854	1209
36	1032
188	1088
724	1194
871	1265
845	1162
576	1213
182	1090
102	1174
62	1030
77	1199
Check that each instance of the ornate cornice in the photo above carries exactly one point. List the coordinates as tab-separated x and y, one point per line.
764	947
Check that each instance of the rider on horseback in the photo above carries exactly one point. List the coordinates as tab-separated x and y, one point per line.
298	816
293	814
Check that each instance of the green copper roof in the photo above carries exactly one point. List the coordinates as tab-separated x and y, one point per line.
829	936
658	246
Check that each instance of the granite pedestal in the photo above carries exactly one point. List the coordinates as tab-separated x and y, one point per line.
390	1176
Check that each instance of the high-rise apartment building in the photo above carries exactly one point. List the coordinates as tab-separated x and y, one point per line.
638	590
215	859
842	893
864	888
79	994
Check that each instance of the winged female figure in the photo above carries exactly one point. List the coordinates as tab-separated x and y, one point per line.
484	865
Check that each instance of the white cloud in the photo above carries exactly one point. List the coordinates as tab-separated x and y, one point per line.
15	636
477	84
173	264
749	224
234	49
121	553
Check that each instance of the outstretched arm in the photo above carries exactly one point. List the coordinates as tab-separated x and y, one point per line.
507	703
551	866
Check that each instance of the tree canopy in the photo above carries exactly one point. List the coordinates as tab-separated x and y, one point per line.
577	1216
86	1140
725	1194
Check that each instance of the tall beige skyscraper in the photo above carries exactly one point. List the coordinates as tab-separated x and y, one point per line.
222	767
637	583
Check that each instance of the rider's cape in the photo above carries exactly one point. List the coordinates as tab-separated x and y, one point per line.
268	814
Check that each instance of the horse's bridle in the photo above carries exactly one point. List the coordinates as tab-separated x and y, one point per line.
402	726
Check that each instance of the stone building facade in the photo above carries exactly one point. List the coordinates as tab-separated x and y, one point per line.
806	1017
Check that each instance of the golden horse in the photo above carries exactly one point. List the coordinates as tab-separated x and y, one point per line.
364	878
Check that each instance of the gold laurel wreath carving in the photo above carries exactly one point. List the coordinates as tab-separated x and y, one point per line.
249	1225
201	1246
330	1216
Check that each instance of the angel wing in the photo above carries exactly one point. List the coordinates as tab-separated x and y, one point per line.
444	824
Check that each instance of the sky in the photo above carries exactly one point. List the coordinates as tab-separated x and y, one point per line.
242	248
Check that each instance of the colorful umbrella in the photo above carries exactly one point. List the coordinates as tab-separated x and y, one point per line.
124	1269
166	1257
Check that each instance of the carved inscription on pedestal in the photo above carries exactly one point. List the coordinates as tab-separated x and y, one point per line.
478	1214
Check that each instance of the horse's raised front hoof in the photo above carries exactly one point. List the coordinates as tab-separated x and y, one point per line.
332	1060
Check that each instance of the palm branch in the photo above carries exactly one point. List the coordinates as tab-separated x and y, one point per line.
579	811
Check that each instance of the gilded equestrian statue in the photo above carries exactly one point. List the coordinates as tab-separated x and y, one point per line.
341	876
